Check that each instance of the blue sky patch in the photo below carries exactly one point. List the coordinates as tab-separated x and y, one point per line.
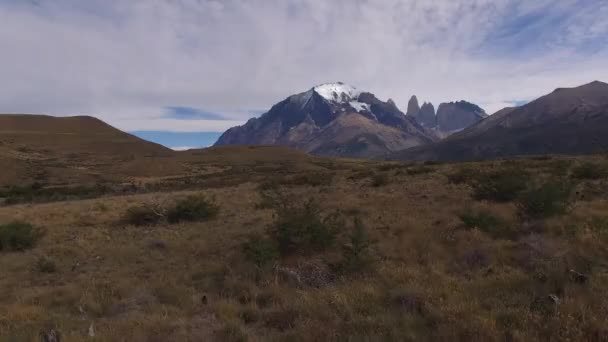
179	140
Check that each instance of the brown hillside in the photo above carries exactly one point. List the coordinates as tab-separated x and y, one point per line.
74	150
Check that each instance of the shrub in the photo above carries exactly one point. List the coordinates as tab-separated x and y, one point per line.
270	195
38	193
192	208
590	170
312	179
549	199
260	251
379	179
356	253
142	216
486	222
17	236
302	229
45	265
500	186
463	175
419	170
231	332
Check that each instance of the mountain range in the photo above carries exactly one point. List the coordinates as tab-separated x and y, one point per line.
566	121
336	119
327	120
450	117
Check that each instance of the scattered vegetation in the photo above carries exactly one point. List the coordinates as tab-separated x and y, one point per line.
551	198
464	175
260	250
486	222
380	179
45	265
397	272
356	253
311	179
501	185
38	193
303	229
420	170
17	236
192	208
143	215
590	170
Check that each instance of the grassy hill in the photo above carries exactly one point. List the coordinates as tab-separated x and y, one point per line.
268	244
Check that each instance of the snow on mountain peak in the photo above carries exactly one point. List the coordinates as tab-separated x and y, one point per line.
337	92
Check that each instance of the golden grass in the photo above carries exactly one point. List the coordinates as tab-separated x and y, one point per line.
430	280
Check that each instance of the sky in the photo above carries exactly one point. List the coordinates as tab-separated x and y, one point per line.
181	69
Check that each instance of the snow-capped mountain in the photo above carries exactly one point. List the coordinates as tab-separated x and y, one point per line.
333	119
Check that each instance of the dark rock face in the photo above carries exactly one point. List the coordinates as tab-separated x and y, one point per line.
412	106
450	117
426	115
333	119
455	116
567	121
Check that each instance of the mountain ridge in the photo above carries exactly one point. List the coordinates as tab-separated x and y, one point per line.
565	121
303	120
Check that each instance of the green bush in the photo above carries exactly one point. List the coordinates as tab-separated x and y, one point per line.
260	250
45	265
500	186
302	229
549	199
380	179
142	216
192	208
590	170
356	253
17	236
486	222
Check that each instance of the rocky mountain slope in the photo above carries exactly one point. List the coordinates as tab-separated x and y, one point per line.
450	117
333	119
567	121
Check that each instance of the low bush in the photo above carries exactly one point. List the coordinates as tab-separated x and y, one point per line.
45	265
356	253
549	199
37	193
486	222
142	216
464	175
17	236
380	179
419	170
260	250
500	186
270	195
192	208
311	179
590	170
303	229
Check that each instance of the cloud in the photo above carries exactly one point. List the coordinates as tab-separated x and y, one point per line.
183	148
128	61
189	113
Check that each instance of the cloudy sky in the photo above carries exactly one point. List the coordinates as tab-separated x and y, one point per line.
163	67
